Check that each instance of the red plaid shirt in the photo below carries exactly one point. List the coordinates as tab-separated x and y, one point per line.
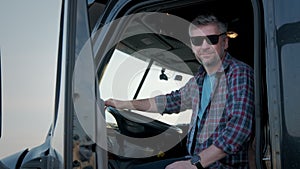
228	119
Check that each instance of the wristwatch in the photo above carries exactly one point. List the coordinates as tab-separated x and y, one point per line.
195	160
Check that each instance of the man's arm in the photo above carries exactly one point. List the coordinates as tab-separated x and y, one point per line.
208	156
211	155
148	105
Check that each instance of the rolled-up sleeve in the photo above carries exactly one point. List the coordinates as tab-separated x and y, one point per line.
178	100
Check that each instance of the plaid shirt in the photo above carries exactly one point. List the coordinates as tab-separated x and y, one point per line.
227	121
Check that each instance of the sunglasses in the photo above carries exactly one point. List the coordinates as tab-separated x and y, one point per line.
210	39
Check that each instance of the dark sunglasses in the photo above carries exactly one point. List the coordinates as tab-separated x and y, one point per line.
210	39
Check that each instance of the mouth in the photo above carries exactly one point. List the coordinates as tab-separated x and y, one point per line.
206	55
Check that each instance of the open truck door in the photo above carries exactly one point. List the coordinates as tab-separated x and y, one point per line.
72	133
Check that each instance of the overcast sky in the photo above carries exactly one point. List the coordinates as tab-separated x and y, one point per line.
28	42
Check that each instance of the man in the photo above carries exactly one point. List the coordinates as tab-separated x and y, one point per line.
221	96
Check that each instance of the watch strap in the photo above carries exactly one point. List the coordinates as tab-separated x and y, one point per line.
198	165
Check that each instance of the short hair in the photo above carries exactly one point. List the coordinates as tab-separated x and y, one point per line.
208	19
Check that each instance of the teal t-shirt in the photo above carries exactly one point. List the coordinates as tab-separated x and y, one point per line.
207	88
208	83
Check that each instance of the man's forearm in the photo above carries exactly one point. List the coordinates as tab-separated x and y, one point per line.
211	155
148	105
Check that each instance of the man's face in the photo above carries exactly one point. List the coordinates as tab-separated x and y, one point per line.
209	54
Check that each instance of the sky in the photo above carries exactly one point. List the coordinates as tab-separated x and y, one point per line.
28	43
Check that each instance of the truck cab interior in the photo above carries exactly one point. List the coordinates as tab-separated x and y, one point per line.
148	53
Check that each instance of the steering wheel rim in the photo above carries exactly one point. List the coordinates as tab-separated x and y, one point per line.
141	120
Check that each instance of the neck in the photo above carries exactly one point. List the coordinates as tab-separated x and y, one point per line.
213	69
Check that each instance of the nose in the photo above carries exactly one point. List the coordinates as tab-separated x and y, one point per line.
205	44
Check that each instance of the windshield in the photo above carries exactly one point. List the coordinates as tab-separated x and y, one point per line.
123	77
146	63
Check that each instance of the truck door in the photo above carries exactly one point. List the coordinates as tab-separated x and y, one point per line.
82	109
282	22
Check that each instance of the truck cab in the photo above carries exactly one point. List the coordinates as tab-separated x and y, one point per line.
134	49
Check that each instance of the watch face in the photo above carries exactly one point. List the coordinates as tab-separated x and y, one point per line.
195	159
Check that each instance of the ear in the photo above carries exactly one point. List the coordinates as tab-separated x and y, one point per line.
226	45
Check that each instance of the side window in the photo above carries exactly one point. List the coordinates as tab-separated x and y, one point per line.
290	81
95	12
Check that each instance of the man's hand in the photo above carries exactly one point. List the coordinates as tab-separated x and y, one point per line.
181	165
113	103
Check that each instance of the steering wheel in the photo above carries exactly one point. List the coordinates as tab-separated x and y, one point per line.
135	125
